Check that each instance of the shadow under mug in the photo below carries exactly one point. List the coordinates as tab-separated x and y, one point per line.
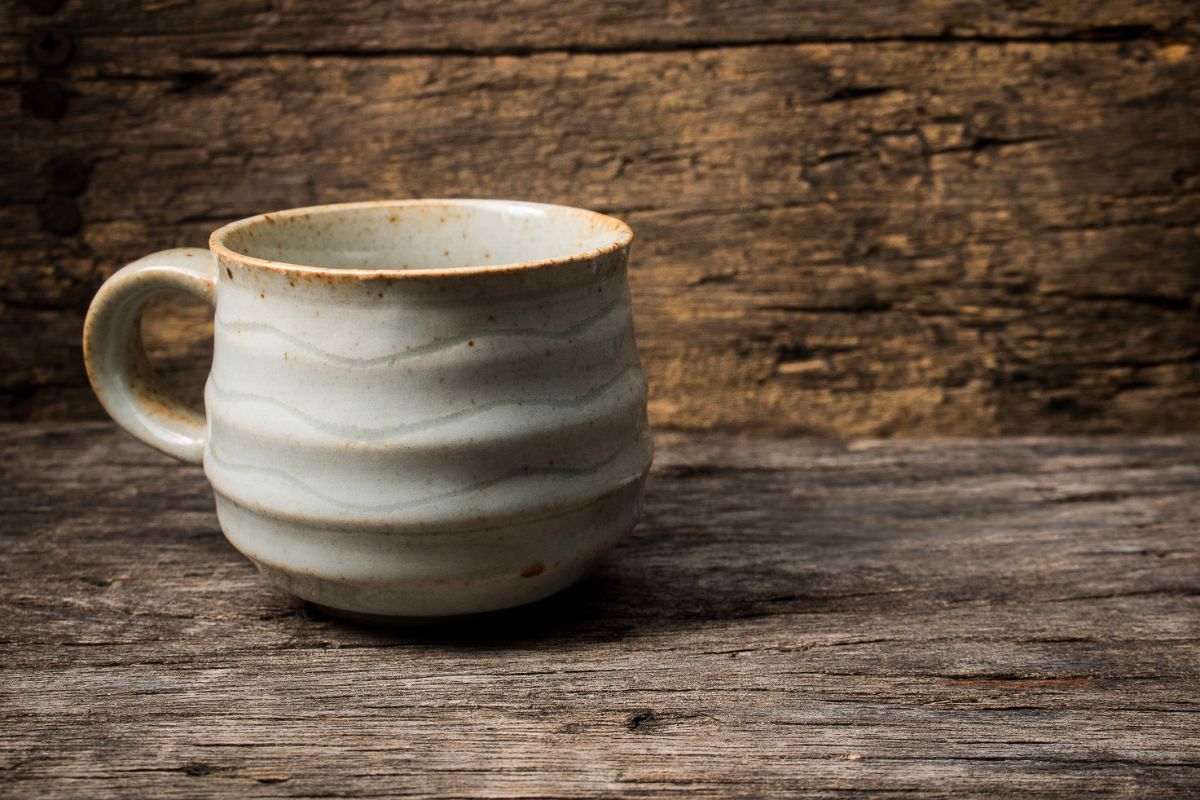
415	408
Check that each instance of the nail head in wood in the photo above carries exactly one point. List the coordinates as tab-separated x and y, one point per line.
60	215
68	176
44	98
45	7
50	46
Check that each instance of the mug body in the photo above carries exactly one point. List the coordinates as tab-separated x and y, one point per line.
425	407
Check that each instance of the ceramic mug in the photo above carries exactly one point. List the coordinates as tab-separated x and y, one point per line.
415	408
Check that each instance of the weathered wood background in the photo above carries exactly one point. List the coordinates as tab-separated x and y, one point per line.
944	216
1008	618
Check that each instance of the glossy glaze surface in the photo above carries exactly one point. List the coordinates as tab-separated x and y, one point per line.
426	407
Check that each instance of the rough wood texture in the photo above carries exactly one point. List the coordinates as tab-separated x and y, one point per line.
915	618
862	218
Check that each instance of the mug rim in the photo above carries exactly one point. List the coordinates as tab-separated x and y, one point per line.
217	239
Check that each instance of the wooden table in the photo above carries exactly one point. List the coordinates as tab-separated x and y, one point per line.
888	618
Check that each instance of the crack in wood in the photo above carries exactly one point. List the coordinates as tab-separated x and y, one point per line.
1101	34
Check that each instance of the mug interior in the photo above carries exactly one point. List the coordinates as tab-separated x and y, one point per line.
423	235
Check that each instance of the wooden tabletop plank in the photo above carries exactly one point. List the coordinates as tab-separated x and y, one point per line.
793	617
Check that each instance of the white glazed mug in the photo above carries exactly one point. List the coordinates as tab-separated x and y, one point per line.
415	408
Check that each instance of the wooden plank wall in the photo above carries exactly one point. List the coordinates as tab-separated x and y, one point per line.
862	218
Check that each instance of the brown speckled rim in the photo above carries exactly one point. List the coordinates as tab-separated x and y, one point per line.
217	244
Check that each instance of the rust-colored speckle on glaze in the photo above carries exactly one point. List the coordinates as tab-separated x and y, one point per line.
533	570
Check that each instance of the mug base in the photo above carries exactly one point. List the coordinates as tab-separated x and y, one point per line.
397	573
403	605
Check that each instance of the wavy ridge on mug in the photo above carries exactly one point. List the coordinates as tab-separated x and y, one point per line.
567	333
587	470
361	433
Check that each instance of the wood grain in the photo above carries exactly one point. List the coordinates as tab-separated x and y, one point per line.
859	219
252	28
913	618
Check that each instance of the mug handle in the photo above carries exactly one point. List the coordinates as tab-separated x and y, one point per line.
117	367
